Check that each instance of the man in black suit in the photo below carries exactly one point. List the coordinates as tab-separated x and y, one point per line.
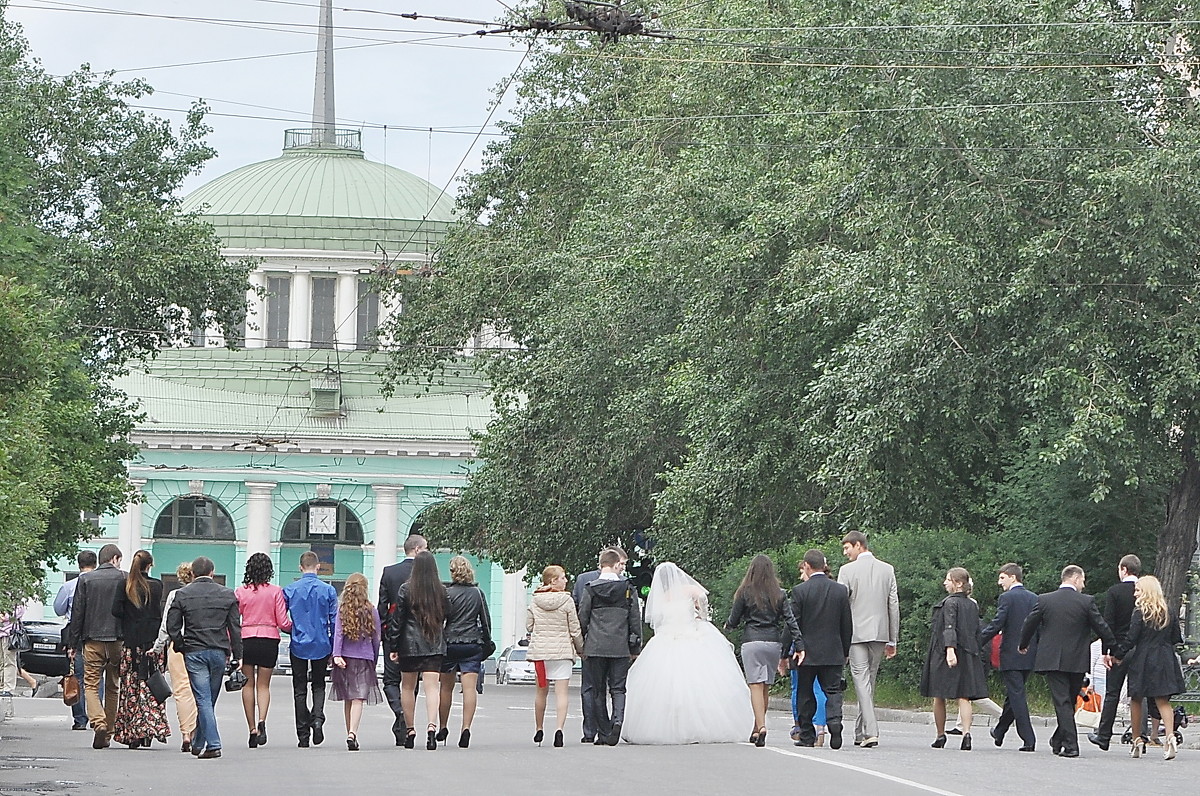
1118	610
1066	619
393	577
1012	607
822	609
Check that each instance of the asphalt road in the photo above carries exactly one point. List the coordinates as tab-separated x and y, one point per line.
40	754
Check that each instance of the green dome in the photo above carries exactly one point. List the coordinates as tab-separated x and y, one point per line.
323	196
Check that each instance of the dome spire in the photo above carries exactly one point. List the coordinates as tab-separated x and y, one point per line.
323	113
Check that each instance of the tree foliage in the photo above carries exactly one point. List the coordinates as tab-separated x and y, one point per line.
836	264
97	267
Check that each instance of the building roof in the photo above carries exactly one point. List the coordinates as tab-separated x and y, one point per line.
259	394
323	195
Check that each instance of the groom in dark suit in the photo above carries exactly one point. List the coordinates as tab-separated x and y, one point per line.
822	609
1064	621
1013	606
393	577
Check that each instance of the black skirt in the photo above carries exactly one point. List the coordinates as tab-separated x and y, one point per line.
260	652
421	663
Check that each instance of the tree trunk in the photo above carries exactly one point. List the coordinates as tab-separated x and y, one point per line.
1177	539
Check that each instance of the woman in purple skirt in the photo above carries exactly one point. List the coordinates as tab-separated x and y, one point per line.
355	651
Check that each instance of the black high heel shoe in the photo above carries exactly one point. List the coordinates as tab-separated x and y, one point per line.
558	738
431	738
352	742
443	733
537	737
762	737
966	742
464	740
410	740
939	743
254	740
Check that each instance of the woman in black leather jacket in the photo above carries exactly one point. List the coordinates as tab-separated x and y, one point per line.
138	609
416	639
762	605
468	638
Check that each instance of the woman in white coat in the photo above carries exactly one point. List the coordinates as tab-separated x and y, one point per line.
555	639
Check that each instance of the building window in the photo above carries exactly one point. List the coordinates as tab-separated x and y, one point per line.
194	518
368	316
279	310
324	311
328	521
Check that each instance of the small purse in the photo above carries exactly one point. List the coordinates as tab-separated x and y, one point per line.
70	687
159	685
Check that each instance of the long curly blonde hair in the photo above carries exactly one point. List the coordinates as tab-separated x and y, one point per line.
1150	601
354	609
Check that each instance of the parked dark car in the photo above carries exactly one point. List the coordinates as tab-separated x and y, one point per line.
48	656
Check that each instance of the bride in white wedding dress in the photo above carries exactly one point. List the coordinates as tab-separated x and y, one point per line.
686	686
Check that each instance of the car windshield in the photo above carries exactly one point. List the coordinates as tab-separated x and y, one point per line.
517	655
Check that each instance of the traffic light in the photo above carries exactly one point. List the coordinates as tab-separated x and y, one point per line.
641	574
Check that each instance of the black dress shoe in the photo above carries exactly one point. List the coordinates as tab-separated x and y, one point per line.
1026	749
996	739
835	736
954	731
303	743
809	744
209	754
318	734
1069	753
1099	741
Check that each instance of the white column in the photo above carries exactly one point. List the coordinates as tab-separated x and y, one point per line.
300	322
137	532
347	312
385	525
258	517
256	312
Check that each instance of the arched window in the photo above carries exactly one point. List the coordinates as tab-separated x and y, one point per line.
194	518
327	521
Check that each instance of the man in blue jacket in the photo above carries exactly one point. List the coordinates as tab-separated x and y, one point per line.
1012	606
312	604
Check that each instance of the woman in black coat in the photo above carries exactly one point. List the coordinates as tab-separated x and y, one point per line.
1154	670
416	639
138	608
953	667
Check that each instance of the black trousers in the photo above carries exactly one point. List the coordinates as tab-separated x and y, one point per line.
391	690
307	718
608	679
830	678
587	689
1112	698
1016	706
1064	687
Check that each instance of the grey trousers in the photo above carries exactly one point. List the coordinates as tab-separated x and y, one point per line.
865	658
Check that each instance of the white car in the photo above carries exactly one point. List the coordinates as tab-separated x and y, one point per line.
512	667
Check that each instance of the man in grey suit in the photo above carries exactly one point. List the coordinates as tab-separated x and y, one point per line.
875	606
1063	621
587	686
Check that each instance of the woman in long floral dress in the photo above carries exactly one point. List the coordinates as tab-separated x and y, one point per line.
140	718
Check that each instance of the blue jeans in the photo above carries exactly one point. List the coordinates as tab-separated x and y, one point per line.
205	669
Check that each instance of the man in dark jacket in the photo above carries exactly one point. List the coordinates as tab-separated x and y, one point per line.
394	576
612	635
586	686
821	606
97	632
1064	621
1118	611
204	623
1012	607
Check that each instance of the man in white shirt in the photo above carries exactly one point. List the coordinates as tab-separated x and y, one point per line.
63	601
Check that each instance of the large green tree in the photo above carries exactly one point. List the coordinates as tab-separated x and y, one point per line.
829	264
97	268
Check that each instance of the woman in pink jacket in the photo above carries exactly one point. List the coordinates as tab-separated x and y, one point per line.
264	614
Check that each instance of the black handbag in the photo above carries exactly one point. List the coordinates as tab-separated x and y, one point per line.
18	637
489	648
159	685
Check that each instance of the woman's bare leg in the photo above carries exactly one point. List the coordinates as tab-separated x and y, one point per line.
447	698
470	681
539	705
561	696
408	696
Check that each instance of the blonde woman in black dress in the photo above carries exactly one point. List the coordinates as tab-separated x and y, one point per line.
1154	670
953	668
